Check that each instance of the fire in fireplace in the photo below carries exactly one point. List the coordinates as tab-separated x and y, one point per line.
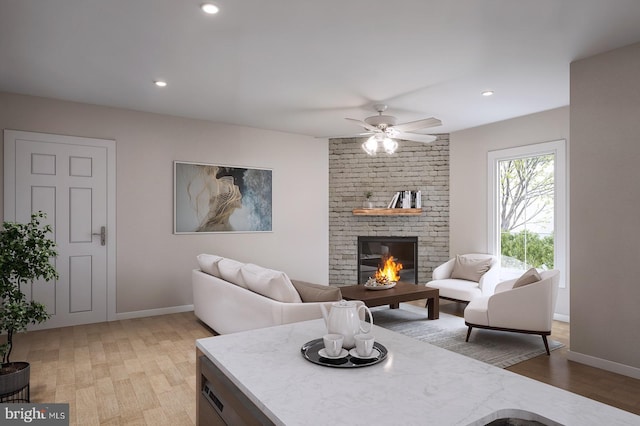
389	270
376	255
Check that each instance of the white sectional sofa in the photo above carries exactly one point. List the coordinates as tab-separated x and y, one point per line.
230	296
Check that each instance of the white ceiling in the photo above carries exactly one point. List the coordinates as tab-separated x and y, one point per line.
302	66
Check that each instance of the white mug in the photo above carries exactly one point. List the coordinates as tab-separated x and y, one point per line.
364	344
333	343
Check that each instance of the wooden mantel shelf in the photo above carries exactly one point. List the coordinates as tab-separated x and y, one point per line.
387	212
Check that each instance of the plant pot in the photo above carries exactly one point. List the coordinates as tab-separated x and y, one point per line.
367	204
14	376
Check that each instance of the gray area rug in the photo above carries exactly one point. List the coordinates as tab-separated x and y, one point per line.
498	348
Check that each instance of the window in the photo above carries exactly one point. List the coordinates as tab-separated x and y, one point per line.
527	209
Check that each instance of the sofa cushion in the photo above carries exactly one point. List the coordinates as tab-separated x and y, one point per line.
456	289
209	263
470	268
529	277
230	270
270	283
316	292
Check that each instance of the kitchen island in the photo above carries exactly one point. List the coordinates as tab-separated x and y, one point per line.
417	384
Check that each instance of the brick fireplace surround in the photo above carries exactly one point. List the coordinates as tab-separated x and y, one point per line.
415	166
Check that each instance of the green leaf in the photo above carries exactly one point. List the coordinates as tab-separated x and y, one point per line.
26	255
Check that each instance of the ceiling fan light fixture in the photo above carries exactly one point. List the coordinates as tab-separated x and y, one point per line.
391	132
389	145
385	131
370	146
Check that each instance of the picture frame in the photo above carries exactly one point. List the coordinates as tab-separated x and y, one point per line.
213	198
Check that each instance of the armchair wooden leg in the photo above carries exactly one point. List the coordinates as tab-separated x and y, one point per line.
546	344
468	333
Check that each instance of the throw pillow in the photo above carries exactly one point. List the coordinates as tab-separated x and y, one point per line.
529	277
470	268
230	270
275	285
317	293
209	264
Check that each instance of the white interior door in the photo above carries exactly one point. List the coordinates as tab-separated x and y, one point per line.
68	178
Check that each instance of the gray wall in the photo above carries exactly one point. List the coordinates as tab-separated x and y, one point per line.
153	264
414	166
605	206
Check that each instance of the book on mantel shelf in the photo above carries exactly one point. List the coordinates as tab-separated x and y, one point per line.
406	200
394	201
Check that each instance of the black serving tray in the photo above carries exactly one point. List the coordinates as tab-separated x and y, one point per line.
310	353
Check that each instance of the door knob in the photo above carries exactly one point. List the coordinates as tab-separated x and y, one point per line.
103	235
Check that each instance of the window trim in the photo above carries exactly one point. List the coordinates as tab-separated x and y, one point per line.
561	229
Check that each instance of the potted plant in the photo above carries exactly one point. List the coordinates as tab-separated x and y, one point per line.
367	204
25	256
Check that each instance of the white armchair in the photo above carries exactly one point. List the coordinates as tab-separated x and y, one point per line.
527	309
465	290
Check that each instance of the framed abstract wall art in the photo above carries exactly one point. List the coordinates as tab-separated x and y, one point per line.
217	198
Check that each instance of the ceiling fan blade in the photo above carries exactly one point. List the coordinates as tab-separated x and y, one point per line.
359	135
365	125
416	137
418	124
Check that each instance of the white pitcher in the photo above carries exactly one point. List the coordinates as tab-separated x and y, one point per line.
343	318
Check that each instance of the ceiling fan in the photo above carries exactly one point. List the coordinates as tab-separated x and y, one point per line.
384	130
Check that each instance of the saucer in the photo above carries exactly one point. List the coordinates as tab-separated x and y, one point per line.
324	354
374	354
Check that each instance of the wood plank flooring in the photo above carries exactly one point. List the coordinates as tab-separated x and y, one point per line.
142	371
130	372
613	389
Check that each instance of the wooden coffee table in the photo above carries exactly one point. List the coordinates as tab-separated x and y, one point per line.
402	292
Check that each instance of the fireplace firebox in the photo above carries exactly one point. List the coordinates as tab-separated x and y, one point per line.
372	250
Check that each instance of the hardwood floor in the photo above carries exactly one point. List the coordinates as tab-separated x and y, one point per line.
613	389
142	371
130	372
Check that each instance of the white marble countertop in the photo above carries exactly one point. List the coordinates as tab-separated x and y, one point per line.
418	384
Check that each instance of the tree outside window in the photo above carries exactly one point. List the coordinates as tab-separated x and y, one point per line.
527	209
526	212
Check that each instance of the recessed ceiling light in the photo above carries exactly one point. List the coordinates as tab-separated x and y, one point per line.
160	83
487	93
209	8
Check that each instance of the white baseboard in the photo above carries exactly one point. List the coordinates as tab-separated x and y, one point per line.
561	317
154	312
603	364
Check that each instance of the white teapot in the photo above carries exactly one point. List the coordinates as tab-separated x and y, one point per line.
343	319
